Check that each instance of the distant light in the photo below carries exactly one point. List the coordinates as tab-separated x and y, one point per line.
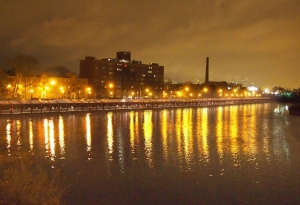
252	88
267	91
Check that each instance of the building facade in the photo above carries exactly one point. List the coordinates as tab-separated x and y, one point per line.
45	87
121	77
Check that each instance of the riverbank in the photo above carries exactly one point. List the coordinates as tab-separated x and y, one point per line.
68	105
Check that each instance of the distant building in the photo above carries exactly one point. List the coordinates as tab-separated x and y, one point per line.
47	87
119	77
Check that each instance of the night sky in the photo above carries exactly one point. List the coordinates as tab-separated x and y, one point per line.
253	40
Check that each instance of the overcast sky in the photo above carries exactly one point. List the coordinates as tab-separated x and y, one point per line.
257	40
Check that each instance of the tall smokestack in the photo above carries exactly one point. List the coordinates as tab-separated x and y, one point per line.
207	70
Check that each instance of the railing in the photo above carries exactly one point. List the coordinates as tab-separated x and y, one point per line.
59	105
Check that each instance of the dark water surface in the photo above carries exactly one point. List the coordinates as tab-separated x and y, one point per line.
245	154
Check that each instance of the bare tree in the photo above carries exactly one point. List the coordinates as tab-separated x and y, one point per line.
4	81
24	68
58	71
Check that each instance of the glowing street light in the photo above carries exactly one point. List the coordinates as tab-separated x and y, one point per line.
109	89
62	90
52	90
31	91
220	91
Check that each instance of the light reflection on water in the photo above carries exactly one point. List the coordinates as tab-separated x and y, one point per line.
8	136
61	136
88	135
110	133
185	138
147	130
186	155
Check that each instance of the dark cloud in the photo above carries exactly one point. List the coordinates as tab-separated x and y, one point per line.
257	40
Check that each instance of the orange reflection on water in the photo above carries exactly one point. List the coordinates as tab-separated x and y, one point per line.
61	136
131	129
30	129
49	138
110	133
187	136
164	134
137	130
204	133
8	136
233	130
178	128
249	133
19	133
88	135
52	139
148	129
46	135
219	132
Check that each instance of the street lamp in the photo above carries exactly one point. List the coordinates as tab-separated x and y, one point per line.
147	91
52	84
89	91
186	92
31	91
220	91
62	90
110	89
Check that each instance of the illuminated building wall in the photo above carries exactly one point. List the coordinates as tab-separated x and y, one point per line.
121	76
45	87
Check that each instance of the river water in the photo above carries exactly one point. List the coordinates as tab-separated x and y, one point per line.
240	154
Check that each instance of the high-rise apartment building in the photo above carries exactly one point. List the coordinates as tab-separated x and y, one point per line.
119	77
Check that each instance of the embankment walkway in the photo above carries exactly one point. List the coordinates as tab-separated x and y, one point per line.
71	105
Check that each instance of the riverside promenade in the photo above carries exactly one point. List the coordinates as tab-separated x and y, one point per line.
12	107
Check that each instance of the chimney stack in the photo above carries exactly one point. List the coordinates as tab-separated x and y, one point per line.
207	70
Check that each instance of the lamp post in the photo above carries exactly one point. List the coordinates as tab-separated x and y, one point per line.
62	90
220	91
89	91
31	91
186	90
110	89
52	84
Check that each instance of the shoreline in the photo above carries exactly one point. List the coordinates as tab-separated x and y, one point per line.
72	106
